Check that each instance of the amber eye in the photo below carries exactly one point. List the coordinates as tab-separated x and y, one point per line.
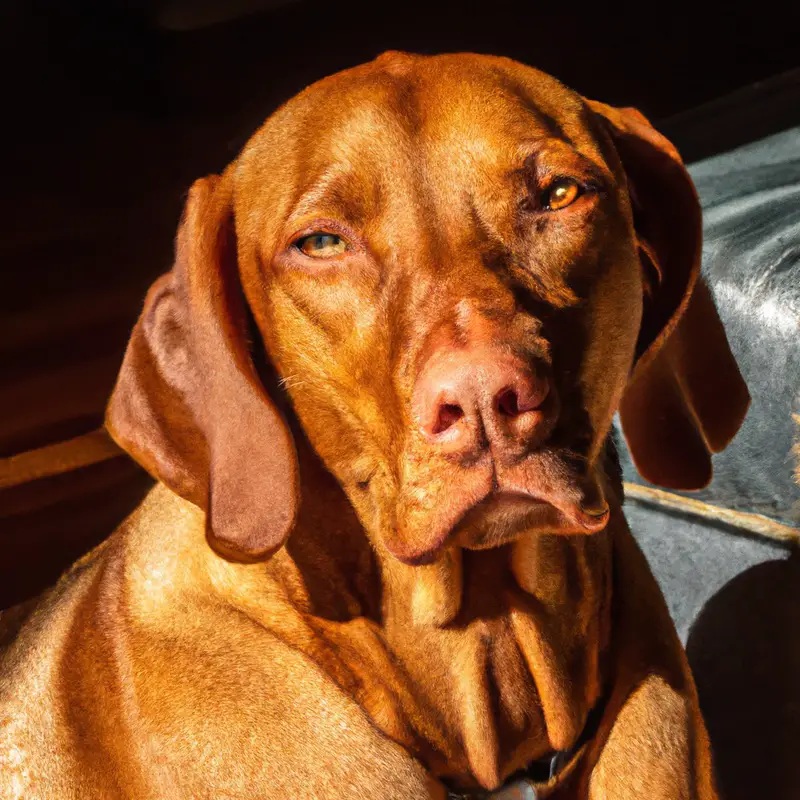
561	193
321	245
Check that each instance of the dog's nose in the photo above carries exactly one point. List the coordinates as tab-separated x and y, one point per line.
469	399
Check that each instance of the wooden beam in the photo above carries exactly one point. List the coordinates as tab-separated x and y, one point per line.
746	521
56	459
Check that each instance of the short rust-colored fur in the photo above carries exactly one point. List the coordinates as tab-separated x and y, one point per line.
315	601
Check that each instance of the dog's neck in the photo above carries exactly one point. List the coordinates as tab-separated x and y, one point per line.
478	663
520	658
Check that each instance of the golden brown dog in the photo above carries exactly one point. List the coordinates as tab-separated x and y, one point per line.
379	382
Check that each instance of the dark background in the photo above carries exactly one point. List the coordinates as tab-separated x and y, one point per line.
112	108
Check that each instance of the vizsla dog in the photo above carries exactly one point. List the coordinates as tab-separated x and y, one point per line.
386	556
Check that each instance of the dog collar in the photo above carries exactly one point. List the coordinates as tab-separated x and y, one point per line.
522	785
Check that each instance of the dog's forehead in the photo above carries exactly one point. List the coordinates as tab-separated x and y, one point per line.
402	103
382	140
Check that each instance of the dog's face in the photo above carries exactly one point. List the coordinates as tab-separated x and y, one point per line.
443	265
442	260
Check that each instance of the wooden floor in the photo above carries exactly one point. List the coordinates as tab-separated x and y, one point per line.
112	120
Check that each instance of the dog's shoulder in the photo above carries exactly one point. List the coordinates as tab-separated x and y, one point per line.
152	650
145	541
47	683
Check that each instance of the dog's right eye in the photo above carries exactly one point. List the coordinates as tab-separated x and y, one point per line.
321	245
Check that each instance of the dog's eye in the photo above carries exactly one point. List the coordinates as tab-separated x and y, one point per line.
561	193
321	245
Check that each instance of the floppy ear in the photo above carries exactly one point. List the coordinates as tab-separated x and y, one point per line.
686	398
188	404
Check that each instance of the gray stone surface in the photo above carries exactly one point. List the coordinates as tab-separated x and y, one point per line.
735	600
692	559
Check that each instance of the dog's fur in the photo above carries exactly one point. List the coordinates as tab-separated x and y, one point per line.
418	629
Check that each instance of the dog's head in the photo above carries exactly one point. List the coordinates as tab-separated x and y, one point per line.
459	271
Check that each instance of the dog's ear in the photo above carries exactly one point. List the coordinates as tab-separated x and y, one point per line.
686	397
188	404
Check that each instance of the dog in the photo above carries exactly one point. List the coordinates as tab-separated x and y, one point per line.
386	555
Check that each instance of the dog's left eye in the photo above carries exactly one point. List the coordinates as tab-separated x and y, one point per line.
561	193
321	245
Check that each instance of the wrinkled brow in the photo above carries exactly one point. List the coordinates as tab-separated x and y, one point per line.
548	156
338	192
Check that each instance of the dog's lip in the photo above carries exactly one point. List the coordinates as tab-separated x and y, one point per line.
565	517
489	503
501	497
590	516
592	519
537	511
418	558
530	509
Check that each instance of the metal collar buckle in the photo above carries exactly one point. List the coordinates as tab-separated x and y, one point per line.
521	788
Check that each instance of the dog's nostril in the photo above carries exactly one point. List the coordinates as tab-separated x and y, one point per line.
508	403
449	414
518	399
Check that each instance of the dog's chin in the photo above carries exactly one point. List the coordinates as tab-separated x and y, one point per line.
485	508
501	518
